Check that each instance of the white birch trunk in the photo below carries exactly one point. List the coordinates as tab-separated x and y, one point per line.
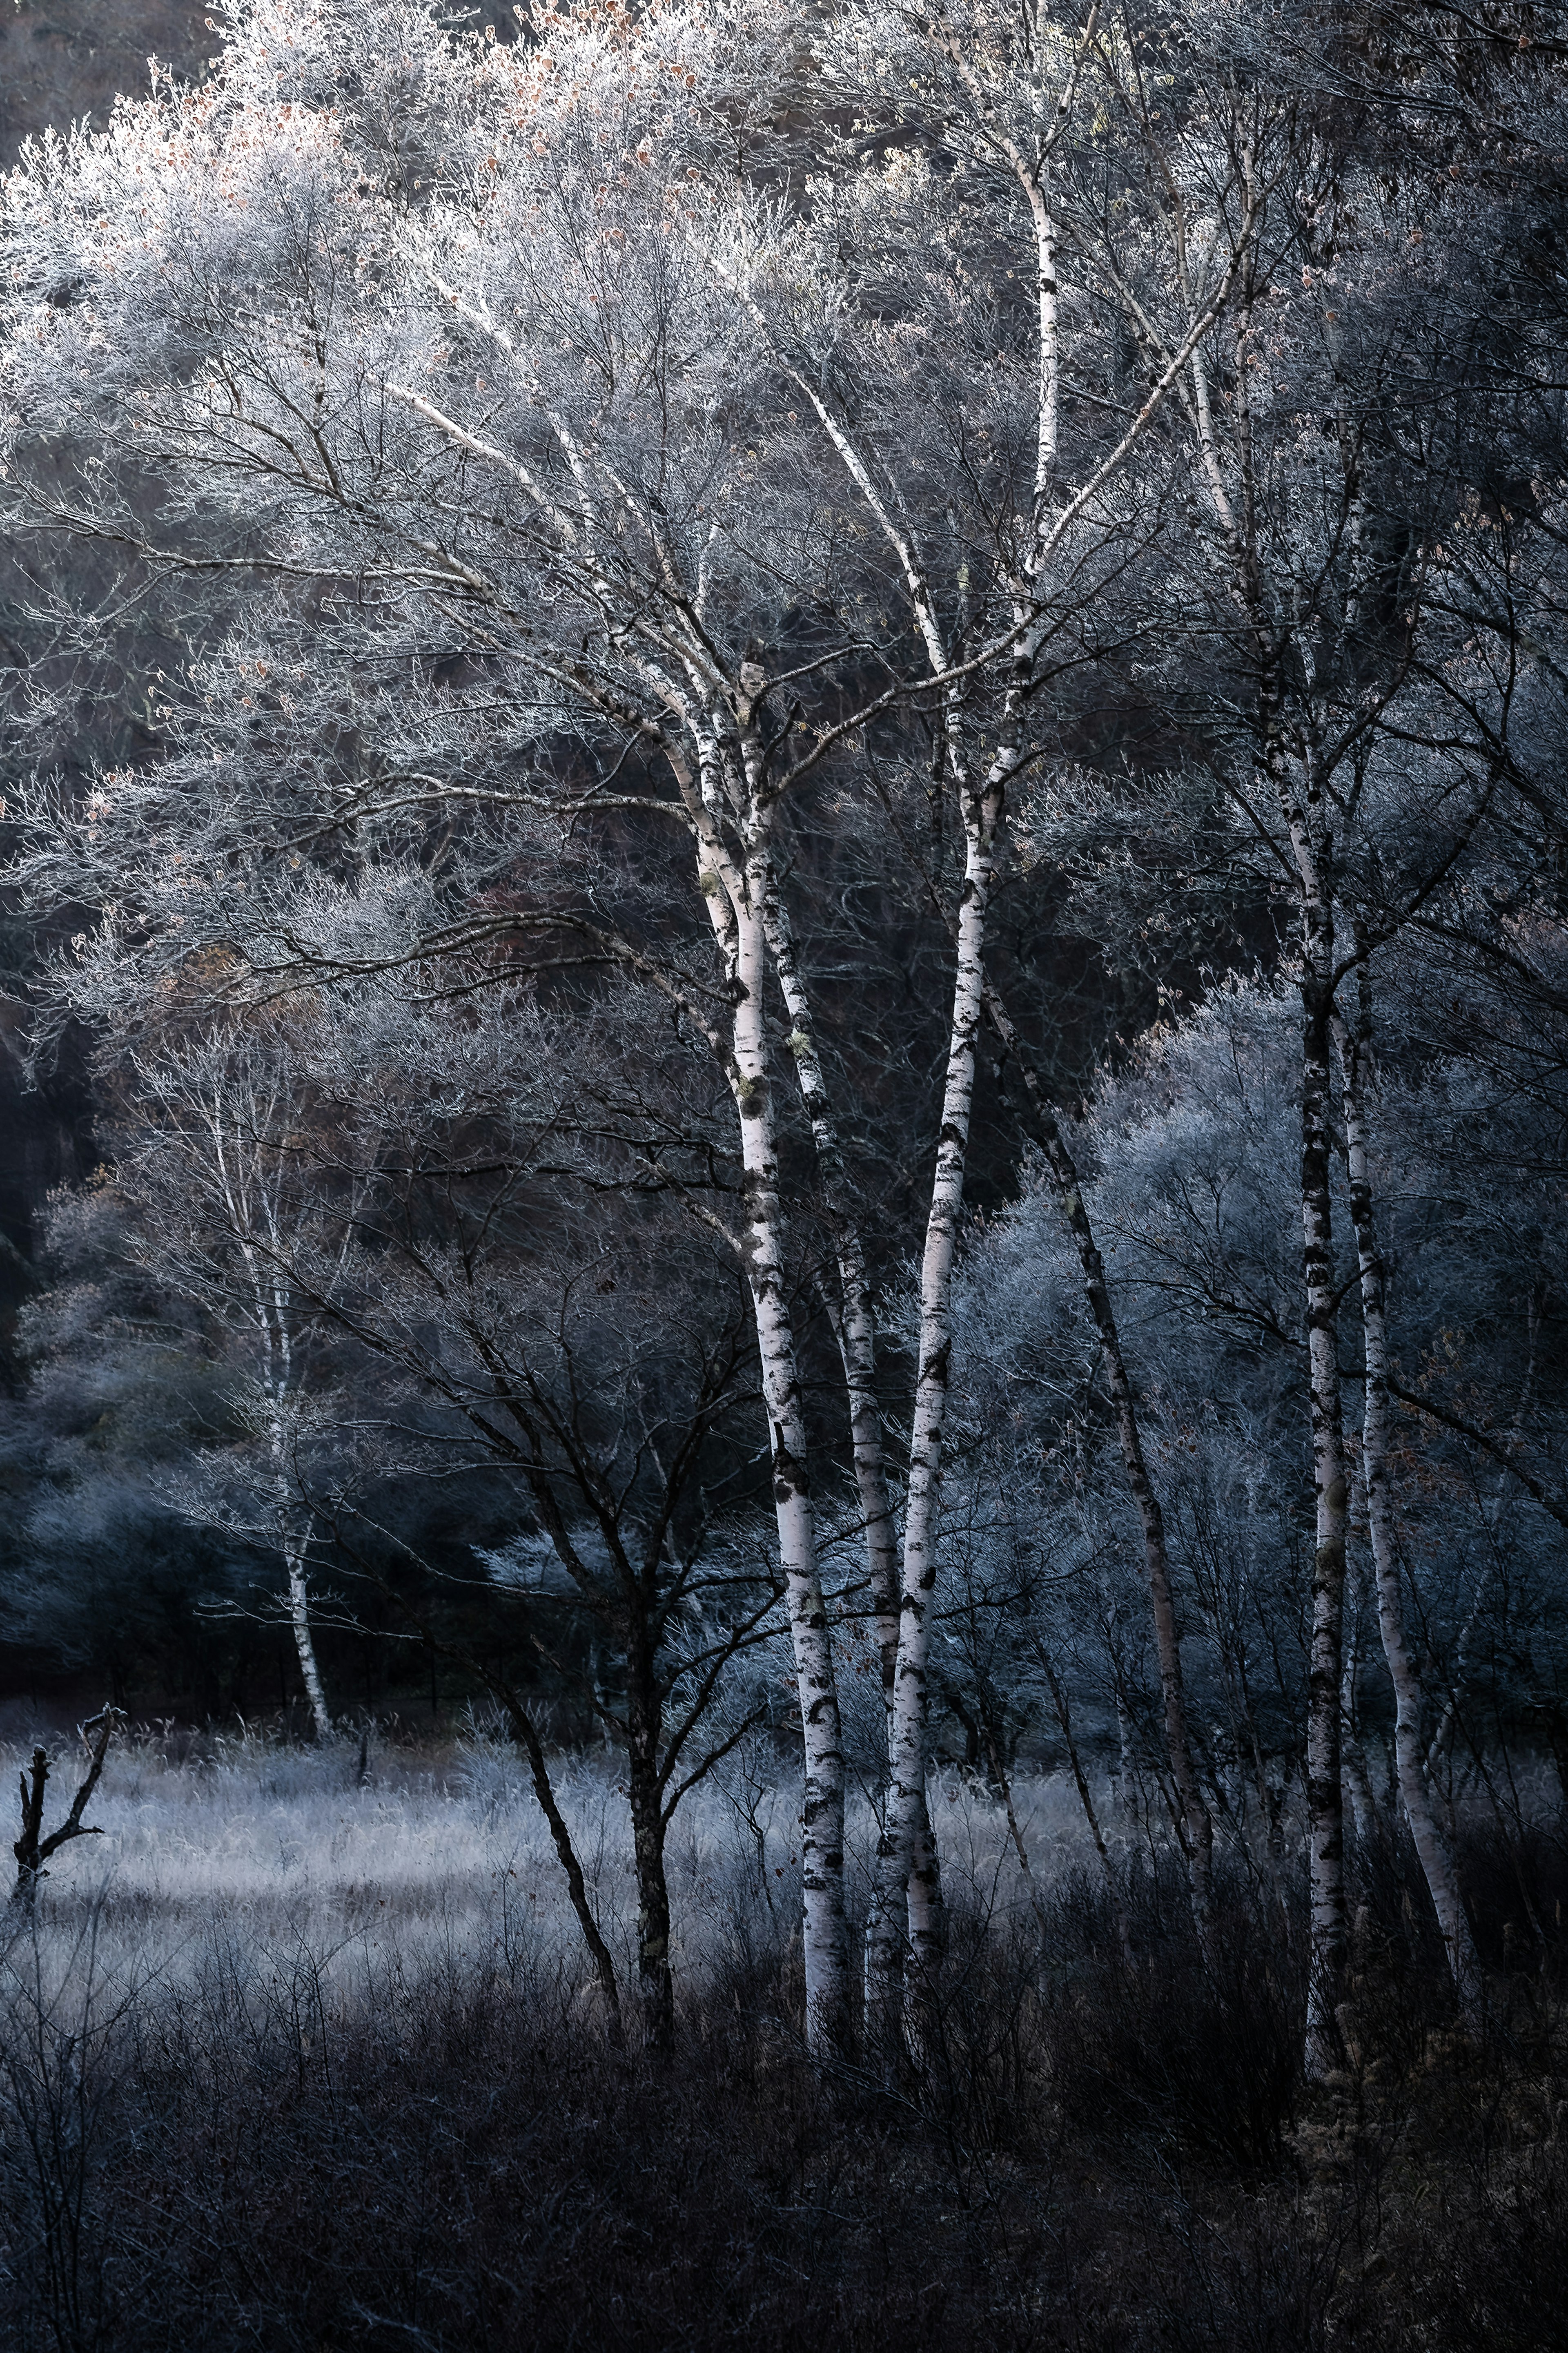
736	897
856	1330
822	1807
906	1797
251	1201
1414	1795
278	1372
1292	775
1305	823
908	1856
1048	524
305	1642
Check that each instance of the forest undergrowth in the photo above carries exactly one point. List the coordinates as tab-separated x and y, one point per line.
301	2055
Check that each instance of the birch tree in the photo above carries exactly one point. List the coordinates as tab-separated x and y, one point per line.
448	340
218	1165
1355	1048
1311	508
494	1253
475	329
989	100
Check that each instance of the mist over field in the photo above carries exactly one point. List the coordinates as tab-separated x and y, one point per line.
784	1120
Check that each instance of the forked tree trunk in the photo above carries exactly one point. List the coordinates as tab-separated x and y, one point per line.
1414	1796
856	1330
731	773
914	1859
908	1869
718	717
908	1859
33	1849
983	810
736	900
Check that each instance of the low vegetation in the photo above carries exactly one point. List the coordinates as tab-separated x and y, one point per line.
307	2054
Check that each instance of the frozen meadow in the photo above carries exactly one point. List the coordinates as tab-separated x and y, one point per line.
381	1862
304	2054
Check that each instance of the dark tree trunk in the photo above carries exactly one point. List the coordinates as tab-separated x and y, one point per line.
655	1983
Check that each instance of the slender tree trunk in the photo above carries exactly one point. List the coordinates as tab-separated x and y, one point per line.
854	1329
528	1740
824	1928
294	1566
909	1855
1357	1780
1001	1782
1353	1754
1235	496
1414	1796
305	1640
731	772
856	1324
655	1983
1086	1799
914	1846
1325	1803
1195	1826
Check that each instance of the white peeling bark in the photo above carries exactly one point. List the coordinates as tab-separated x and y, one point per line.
907	1857
822	1807
289	1545
856	1330
906	1798
736	896
252	1206
1306	825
